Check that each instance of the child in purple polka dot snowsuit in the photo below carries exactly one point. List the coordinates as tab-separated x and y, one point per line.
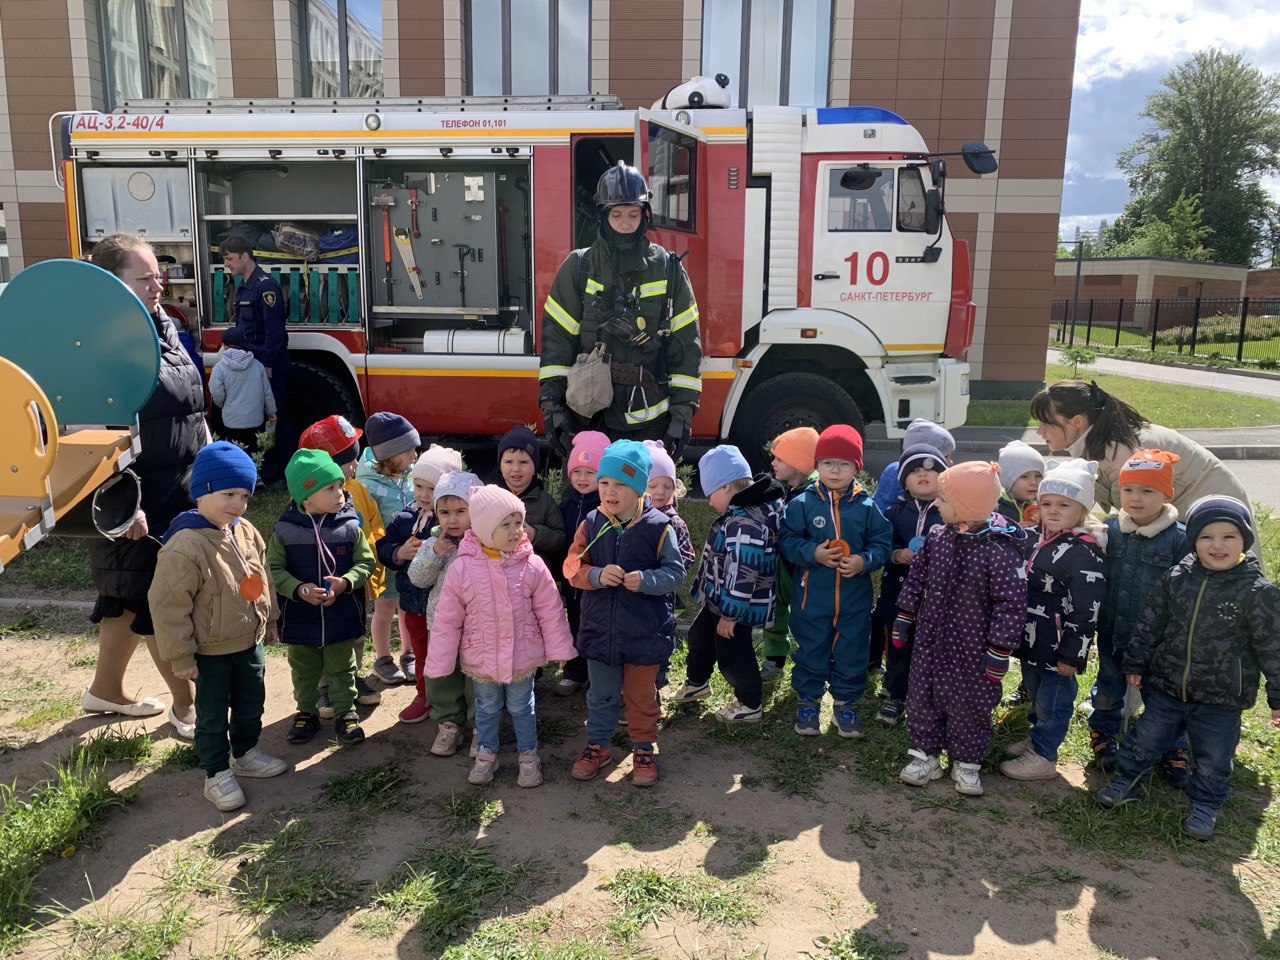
965	600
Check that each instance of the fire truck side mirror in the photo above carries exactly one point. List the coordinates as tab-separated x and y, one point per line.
978	157
932	210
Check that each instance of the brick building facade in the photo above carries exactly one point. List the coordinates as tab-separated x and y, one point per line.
957	69
1148	278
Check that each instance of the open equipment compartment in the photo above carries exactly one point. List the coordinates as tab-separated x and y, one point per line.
299	215
450	254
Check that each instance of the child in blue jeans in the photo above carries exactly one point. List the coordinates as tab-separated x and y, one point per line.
835	537
1211	626
1143	542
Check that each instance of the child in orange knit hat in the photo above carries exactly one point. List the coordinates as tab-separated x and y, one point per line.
1143	541
793	465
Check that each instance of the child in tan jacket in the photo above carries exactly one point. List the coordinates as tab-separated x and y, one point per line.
213	605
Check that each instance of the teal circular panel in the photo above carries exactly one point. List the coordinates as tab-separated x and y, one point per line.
84	337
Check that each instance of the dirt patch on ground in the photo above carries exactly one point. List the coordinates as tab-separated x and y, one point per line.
755	843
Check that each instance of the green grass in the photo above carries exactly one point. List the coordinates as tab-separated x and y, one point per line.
296	872
524	938
369	789
114	746
1168	404
180	756
470	811
856	945
645	895
640	818
443	894
137	933
52	819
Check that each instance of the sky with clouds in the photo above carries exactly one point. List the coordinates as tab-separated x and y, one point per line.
1124	48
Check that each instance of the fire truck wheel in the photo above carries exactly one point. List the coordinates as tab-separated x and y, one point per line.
787	401
315	393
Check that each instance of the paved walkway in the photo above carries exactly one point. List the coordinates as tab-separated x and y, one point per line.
1175	373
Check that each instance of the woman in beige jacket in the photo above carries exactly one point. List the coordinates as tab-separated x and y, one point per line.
1085	421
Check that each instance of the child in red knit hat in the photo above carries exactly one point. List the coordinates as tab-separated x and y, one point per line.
834	537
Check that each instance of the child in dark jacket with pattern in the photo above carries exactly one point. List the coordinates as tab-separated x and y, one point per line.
911	516
404	536
965	600
1143	542
792	463
735	582
835	537
320	560
1066	584
1209	629
582	498
626	561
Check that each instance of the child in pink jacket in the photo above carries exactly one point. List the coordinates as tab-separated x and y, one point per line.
499	612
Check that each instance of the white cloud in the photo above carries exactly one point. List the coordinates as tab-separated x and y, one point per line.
1120	37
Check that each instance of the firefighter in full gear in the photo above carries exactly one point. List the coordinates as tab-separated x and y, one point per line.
630	295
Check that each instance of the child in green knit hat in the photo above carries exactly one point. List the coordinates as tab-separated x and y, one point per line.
320	560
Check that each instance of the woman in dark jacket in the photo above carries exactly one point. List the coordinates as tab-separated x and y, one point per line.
172	428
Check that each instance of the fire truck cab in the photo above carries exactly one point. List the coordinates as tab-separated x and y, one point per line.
416	241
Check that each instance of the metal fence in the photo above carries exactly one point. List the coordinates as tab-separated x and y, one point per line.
1244	330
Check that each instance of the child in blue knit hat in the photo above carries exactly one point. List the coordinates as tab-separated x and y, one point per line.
212	569
627	562
735	582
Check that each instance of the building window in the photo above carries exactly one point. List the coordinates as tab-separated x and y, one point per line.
344	48
773	51
552	43
158	48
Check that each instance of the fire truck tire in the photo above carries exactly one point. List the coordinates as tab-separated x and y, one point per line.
787	401
315	393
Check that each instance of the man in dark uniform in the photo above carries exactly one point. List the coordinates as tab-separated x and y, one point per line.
623	292
261	314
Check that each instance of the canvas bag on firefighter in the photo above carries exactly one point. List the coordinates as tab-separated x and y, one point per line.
589	383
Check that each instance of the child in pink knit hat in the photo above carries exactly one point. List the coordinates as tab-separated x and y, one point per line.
499	611
581	498
665	490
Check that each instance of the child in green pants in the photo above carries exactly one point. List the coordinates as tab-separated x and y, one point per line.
320	560
793	466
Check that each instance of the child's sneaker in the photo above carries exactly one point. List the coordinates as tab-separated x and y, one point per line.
807	718
258	765
566	688
769	672
530	770
1201	822
922	768
366	696
347	728
482	771
848	725
1176	768
475	745
644	768
388	671
324	707
1018	748
1104	750
967	778
409	667
690	692
734	712
890	713
1018	697
1109	796
1030	766
223	792
447	739
588	765
417	710
304	729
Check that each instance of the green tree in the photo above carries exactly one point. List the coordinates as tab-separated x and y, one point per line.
1180	235
1215	135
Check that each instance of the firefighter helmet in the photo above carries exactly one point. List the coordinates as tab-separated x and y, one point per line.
332	435
621	185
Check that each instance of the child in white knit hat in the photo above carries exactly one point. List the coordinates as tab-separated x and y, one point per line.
1021	470
1066	585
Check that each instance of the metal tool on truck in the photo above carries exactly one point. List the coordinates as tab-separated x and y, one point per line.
830	287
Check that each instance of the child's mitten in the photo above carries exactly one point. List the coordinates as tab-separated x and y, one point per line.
903	627
995	664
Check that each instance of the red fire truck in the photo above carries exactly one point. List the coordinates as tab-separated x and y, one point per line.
417	239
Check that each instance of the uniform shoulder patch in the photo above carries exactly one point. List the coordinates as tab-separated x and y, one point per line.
269	298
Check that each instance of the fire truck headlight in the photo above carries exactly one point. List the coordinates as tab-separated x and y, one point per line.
372	121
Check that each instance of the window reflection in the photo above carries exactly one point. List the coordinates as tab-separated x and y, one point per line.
145	54
859	200
338	29
528	47
787	49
